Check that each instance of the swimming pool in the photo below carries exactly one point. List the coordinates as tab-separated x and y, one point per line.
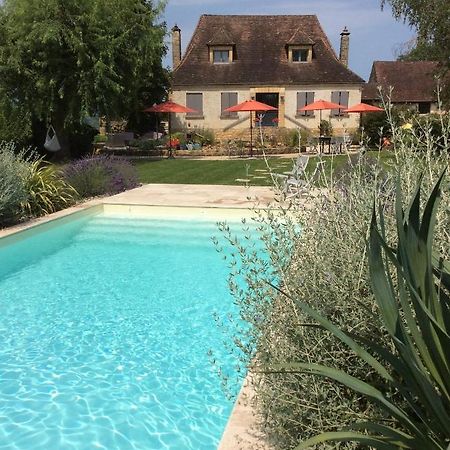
105	326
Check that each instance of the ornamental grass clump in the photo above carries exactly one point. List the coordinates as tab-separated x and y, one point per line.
47	190
317	254
29	186
100	175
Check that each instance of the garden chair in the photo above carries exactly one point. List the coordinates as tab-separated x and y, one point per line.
119	141
292	180
294	186
299	166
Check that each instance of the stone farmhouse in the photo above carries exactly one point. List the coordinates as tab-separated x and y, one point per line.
413	83
285	61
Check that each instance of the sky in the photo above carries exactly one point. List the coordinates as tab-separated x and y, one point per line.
375	34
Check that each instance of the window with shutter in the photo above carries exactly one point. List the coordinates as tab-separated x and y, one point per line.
194	100
228	99
340	97
303	99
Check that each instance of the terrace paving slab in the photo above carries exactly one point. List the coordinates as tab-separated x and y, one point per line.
213	196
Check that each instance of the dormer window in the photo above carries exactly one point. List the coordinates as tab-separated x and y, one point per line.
301	54
221	55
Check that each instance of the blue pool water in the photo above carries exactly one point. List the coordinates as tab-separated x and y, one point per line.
105	327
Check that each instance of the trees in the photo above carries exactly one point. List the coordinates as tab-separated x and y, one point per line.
65	60
431	19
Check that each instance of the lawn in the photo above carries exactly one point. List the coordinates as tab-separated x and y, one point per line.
228	172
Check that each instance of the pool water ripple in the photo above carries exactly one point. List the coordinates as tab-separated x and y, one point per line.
104	339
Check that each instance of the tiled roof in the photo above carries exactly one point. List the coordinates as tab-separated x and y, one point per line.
300	38
221	37
261	53
411	81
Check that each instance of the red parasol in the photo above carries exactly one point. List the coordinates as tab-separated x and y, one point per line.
250	106
321	105
362	108
169	107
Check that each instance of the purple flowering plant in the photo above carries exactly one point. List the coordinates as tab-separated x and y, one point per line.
100	175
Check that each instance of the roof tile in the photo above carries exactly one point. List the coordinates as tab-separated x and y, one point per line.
260	53
411	81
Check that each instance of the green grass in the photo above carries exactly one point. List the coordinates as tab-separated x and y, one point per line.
188	171
183	171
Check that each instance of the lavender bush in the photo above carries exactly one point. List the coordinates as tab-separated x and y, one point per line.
100	175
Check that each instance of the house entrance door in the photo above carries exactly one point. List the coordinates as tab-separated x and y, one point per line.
270	118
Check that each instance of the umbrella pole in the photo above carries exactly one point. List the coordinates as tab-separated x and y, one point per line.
251	135
170	139
320	131
361	126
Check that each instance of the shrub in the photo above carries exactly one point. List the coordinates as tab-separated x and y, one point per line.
100	138
13	183
326	128
146	145
203	136
15	123
100	175
414	309
317	255
47	191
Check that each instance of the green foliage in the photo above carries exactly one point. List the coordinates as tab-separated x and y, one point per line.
13	183
100	175
14	122
415	310
289	137
319	256
100	138
428	130
326	128
146	144
181	136
203	136
379	124
81	58
47	191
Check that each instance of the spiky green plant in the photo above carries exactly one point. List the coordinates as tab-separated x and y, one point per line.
411	287
47	190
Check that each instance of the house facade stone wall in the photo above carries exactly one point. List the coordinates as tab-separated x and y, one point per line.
288	115
242	55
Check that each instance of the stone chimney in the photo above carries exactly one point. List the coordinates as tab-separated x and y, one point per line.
176	47
345	42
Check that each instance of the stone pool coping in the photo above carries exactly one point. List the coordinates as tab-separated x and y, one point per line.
209	200
167	195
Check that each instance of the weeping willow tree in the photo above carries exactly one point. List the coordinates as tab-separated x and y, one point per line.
64	60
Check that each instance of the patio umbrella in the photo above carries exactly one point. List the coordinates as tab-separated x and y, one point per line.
321	105
169	107
250	106
362	108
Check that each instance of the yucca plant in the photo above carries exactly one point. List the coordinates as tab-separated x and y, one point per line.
411	287
47	190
